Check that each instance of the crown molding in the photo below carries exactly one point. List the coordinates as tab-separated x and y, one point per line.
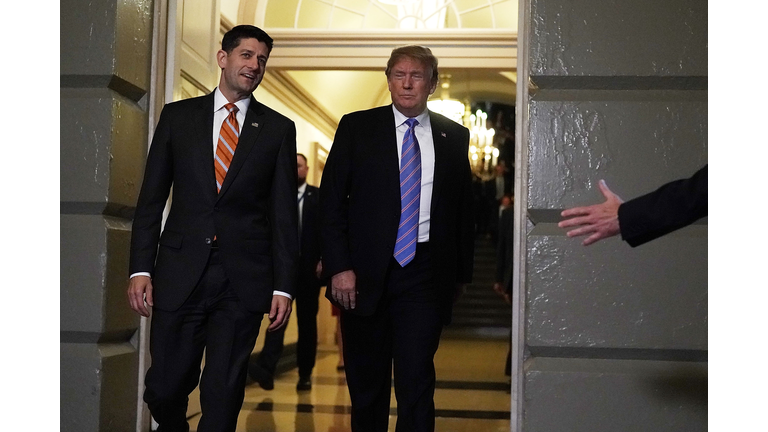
313	49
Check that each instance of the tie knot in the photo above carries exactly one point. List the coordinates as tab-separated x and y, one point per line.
411	122
230	107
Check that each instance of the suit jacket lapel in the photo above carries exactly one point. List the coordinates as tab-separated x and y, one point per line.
203	119
388	133
249	132
440	139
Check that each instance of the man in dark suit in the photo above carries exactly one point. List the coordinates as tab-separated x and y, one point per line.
496	188
645	218
309	283
228	251
397	241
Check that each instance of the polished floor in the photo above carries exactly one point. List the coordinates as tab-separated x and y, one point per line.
471	395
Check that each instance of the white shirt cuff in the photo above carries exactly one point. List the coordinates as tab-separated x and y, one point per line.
284	294
141	274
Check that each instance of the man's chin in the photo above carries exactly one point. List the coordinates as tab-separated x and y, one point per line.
409	110
250	85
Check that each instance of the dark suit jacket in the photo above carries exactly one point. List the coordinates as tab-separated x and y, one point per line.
310	237
360	201
254	217
672	206
491	189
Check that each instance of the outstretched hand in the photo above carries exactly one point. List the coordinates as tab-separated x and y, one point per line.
599	221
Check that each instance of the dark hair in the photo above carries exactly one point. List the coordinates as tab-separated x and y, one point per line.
415	52
232	38
302	156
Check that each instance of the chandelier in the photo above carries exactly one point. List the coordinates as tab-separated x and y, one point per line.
483	154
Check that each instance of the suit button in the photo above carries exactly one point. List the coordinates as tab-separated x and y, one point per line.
207	241
216	208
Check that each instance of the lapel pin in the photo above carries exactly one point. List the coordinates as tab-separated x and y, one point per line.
443	134
255	124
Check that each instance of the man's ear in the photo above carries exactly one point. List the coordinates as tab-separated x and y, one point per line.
221	58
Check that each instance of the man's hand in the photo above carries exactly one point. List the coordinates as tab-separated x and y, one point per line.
599	220
280	312
319	269
343	288
139	288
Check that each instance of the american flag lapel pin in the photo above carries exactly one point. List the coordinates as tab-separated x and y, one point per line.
443	134
254	124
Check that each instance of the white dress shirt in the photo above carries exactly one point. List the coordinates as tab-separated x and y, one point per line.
302	189
427	147
219	115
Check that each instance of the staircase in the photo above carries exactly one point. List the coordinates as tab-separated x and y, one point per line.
480	311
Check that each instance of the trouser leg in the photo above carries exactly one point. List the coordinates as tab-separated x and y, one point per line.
368	361
231	336
177	340
272	350
176	343
307	304
415	319
416	336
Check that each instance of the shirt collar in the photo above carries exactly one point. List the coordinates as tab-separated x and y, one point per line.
400	118
302	188
219	100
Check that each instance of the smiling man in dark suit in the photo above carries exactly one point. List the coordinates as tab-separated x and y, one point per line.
228	252
397	232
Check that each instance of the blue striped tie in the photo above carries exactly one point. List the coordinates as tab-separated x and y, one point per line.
410	192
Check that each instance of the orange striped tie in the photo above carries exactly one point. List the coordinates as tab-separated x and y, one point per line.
225	149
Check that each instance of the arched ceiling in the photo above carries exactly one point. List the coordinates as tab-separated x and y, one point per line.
330	55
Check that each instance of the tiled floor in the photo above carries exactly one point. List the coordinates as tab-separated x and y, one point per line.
471	394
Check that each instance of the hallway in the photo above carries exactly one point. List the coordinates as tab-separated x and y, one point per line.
471	394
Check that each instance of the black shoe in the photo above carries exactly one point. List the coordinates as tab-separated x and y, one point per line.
304	384
258	374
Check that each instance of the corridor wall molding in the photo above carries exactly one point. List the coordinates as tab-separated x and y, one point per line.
370	49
